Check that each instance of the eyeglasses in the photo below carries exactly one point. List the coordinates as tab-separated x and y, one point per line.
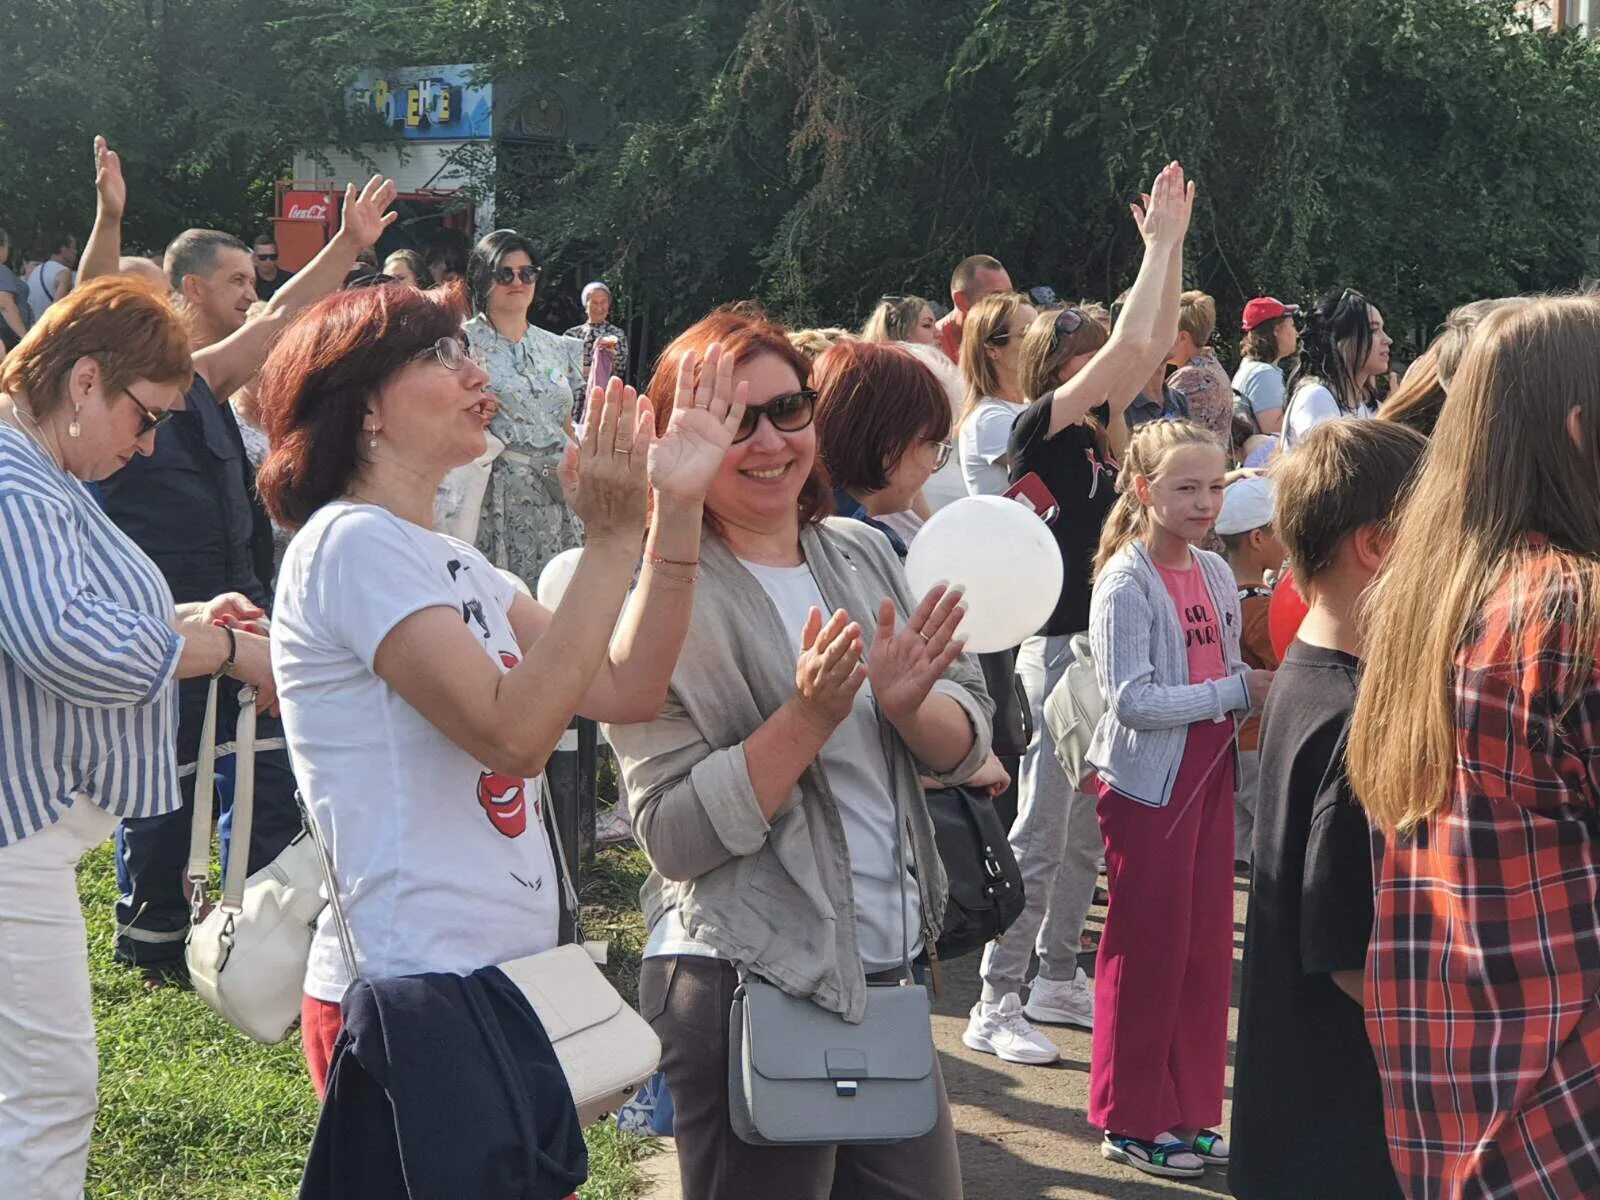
150	420
786	414
1001	336
452	351
941	454
504	275
266	257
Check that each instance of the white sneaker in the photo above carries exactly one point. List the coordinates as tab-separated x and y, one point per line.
1001	1029
1054	1002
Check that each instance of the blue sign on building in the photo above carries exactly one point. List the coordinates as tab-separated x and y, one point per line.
428	104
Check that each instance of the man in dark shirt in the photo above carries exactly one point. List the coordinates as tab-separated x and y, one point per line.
1157	402
269	278
191	506
1307	1106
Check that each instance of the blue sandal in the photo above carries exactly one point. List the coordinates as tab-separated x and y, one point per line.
1153	1158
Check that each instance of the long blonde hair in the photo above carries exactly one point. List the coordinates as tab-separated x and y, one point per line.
1502	466
1148	450
985	320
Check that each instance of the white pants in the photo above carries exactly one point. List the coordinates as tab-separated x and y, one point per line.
48	1065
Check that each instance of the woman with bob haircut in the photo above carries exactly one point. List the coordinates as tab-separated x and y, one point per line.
883	429
423	691
765	793
91	648
1473	751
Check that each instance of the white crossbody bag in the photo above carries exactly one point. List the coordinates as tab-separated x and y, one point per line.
606	1049
247	956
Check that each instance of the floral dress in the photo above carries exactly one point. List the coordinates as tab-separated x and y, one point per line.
525	520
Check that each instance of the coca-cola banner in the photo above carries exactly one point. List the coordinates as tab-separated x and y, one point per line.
306	206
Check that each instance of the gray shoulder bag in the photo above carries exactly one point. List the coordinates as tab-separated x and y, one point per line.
800	1075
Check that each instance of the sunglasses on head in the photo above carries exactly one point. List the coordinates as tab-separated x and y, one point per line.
1069	321
149	419
504	275
452	351
786	414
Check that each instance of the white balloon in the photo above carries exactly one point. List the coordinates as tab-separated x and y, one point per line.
1002	556
555	577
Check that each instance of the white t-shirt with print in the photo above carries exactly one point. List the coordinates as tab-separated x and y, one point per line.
983	442
442	864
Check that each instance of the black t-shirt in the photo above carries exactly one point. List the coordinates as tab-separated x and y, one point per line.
1084	486
266	289
1307	1104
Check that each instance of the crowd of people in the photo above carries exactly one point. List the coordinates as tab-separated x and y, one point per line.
1323	633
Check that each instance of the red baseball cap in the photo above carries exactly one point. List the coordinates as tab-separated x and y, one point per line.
1263	309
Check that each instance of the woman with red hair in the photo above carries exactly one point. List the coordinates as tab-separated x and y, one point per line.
422	691
766	792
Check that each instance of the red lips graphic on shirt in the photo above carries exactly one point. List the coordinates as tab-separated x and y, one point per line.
504	798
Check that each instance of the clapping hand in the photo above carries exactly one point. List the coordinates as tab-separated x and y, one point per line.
705	415
604	478
828	673
903	666
366	216
1163	215
109	185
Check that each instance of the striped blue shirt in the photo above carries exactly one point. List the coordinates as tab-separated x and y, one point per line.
88	656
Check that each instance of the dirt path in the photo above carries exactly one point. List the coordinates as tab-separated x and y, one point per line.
1022	1130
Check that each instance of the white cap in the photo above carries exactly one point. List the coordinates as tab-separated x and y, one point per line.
1246	505
590	289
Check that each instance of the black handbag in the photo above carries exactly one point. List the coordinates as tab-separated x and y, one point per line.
985	882
1013	718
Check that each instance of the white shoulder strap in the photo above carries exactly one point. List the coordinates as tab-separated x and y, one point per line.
244	791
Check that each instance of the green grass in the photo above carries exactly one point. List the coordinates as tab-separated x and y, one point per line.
191	1108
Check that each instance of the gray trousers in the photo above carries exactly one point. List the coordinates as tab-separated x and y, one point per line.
1056	840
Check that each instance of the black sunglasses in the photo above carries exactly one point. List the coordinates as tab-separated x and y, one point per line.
504	275
1068	322
149	419
786	414
267	257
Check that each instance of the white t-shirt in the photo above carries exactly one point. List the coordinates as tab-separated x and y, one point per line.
1311	405
983	442
858	775
442	864
1261	385
945	484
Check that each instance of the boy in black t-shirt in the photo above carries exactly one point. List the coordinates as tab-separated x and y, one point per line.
1308	1108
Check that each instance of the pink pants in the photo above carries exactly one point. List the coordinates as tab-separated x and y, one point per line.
1165	966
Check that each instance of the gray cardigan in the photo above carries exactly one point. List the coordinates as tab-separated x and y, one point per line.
1136	637
774	897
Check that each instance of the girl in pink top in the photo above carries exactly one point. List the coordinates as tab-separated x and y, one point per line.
1162	982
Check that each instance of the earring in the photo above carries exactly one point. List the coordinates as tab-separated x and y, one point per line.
75	429
373	444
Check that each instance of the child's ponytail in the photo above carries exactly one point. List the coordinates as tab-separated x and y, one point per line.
1147	451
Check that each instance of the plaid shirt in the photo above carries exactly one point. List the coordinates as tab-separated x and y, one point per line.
1485	959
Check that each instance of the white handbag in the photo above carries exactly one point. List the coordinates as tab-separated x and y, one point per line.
605	1048
247	956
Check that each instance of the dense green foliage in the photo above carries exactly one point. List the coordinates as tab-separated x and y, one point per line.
817	153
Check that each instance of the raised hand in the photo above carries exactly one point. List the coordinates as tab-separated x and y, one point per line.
110	187
705	415
904	666
366	216
828	672
1163	215
605	477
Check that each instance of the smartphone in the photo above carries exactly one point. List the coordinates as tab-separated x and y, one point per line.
1030	492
